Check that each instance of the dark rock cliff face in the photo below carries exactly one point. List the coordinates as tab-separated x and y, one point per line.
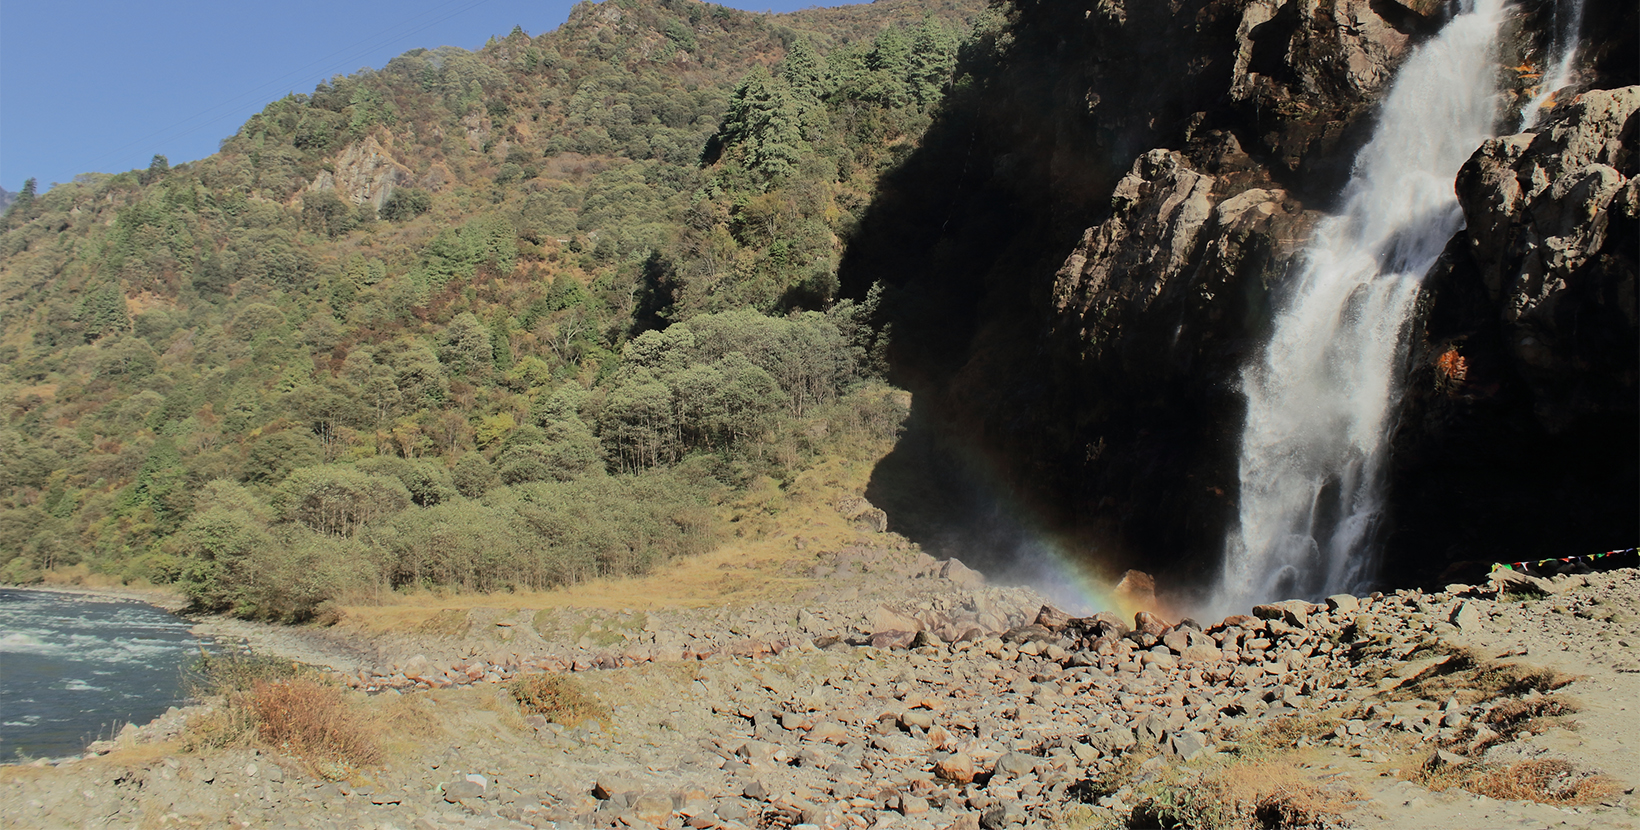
1520	428
1087	247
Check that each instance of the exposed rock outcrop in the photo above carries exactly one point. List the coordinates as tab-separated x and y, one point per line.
1551	217
1086	251
1523	406
365	173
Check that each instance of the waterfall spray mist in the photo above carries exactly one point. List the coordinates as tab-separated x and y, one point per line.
1320	400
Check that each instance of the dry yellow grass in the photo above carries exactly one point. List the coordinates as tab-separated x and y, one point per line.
1276	794
81	577
314	722
1548	781
558	699
1270	793
766	564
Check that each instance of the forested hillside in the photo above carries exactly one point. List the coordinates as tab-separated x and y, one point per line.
562	307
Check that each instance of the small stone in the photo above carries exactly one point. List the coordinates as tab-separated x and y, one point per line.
1152	730
1002	815
1186	745
461	789
608	787
1443	759
1015	763
828	732
652	808
1466	617
912	805
920	718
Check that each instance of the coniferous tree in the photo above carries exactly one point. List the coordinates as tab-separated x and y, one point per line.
21	206
765	123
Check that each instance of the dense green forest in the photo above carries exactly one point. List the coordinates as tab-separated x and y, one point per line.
487	320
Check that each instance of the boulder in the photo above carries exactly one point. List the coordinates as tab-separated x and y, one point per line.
1509	581
1467	617
1052	618
1015	764
418	668
1150	624
893	639
1137	588
883	618
962	575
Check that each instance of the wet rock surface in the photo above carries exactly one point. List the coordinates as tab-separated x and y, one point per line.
1005	711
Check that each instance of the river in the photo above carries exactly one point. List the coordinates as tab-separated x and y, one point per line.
75	668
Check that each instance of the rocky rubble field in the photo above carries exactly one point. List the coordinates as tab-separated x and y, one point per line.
904	692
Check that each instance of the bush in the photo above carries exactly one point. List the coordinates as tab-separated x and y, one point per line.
229	673
1545	780
405	204
558	699
314	722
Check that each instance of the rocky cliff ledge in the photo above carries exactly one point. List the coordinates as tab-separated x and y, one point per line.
1081	258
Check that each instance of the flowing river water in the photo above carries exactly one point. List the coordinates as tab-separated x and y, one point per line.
74	669
1321	399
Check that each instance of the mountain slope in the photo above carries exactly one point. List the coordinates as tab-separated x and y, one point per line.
430	299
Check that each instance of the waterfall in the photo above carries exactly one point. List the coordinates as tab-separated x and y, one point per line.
1321	399
1558	69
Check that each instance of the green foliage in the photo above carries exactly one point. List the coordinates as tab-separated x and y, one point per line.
336	500
764	124
103	312
405	204
459	252
606	255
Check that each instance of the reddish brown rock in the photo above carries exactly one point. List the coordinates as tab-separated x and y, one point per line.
957	768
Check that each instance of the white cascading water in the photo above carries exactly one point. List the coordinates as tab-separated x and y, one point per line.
1321	399
1558	70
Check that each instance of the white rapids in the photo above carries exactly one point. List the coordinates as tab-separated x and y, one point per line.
1321	398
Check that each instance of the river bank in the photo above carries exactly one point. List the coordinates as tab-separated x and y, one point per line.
156	596
888	689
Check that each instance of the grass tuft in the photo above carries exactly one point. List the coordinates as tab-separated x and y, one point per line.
557	698
280	705
1247	795
314	722
1544	780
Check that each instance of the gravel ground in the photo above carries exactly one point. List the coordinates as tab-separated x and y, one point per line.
907	693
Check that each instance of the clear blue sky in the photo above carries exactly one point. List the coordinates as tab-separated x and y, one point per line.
101	85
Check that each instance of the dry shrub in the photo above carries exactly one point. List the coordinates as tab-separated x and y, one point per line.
1548	781
1472	679
1280	735
1258	795
558	699
1276	796
217	728
1512	716
312	721
227	673
1518	680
